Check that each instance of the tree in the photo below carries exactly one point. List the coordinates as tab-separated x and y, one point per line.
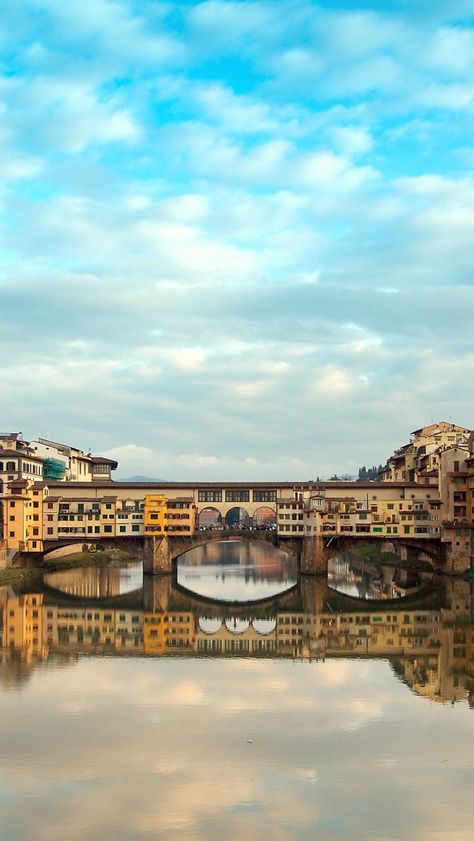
369	474
344	477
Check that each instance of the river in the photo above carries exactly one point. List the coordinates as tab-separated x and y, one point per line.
233	701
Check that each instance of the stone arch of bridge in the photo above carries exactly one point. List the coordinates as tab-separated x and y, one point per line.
51	546
133	542
179	546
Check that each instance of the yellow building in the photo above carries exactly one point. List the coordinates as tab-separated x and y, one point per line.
181	515
22	515
23	624
108	510
168	631
155	514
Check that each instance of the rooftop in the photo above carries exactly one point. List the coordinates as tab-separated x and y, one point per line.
111	484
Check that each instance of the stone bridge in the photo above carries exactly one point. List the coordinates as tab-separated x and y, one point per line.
161	553
312	552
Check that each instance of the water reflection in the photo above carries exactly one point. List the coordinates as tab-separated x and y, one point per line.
97	583
311	714
427	637
237	571
367	579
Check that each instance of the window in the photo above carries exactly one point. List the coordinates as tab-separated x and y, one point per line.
108	529
209	496
239	495
264	496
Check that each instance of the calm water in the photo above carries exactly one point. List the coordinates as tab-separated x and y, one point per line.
160	712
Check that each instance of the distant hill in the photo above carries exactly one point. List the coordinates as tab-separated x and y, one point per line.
139	478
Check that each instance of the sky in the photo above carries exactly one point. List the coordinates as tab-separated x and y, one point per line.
236	237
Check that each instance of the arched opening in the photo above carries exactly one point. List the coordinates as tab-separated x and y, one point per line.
236	625
209	625
264	518
210	518
264	626
237	518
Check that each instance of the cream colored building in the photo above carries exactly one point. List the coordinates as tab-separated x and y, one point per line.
419	459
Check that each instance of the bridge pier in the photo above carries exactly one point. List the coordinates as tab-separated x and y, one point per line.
157	555
314	557
157	593
459	554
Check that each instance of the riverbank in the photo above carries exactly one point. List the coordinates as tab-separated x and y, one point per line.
11	576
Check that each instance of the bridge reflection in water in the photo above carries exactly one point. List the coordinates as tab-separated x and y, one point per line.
237	571
428	636
97	583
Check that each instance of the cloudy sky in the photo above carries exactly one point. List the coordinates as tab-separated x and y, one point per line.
236	237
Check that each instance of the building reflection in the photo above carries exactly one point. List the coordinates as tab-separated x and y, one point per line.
428	639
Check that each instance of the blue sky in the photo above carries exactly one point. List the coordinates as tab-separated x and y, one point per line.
236	237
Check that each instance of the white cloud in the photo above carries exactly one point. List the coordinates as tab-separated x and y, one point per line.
14	167
352	140
188	359
333	381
